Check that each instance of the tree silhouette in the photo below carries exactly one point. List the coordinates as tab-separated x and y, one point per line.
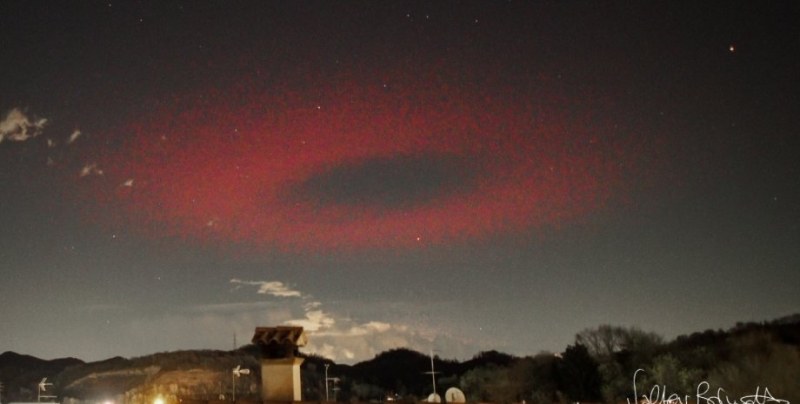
578	374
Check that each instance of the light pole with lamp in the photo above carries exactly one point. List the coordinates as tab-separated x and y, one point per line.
237	371
327	381
43	387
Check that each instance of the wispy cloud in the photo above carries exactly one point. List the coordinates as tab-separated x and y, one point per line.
315	320
350	340
344	338
274	288
357	330
19	127
91	169
74	136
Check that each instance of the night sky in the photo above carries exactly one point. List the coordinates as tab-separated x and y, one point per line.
448	176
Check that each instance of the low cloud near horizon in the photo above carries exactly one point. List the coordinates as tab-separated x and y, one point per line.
354	336
344	338
357	335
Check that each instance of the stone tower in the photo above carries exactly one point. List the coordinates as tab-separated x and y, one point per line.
280	366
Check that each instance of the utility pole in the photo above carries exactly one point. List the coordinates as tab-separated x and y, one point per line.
326	382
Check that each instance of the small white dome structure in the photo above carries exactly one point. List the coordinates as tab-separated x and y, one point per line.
433	398
454	395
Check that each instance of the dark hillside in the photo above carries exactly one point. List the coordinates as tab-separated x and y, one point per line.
21	374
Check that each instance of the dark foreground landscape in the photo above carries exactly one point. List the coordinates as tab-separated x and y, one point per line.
599	366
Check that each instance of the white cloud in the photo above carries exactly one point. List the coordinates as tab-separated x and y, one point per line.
74	136
273	288
18	127
343	338
351	340
326	350
91	169
370	327
315	320
358	330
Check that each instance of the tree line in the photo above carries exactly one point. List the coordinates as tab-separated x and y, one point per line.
599	366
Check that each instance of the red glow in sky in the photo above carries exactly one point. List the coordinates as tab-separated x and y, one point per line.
352	164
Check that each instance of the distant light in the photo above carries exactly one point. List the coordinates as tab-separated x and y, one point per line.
158	400
732	48
108	402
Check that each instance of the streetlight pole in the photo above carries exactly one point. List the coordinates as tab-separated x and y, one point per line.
237	371
43	387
